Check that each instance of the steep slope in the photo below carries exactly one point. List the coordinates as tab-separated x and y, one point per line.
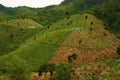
43	46
109	13
90	44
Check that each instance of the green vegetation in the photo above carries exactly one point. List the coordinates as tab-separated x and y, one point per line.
109	13
22	23
39	51
41	47
16	70
27	46
15	34
63	72
118	50
72	57
46	68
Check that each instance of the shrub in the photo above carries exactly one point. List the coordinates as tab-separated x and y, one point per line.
80	41
86	17
72	57
67	13
68	17
63	72
15	69
46	68
92	23
48	26
118	50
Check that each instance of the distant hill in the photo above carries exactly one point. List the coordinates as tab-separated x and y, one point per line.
15	11
15	32
53	13
109	13
2	7
22	23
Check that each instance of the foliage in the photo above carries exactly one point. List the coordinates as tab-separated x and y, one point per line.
46	68
72	57
118	50
14	36
15	68
109	13
63	72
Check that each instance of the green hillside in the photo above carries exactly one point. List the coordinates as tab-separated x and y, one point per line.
14	32
107	10
109	13
42	46
16	10
87	30
22	23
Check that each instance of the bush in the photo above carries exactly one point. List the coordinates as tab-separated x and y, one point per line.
91	23
86	17
16	69
46	68
72	57
118	50
63	72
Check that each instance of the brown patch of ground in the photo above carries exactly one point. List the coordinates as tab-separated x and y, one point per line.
44	76
91	45
89	72
94	72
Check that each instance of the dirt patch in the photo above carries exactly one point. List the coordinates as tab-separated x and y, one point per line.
44	76
86	49
94	72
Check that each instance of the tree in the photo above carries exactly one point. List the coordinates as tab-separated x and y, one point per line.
48	26
46	68
72	57
86	17
11	36
63	72
67	13
118	50
18	24
92	23
16	69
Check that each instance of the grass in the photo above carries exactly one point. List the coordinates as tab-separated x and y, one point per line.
11	37
39	51
22	23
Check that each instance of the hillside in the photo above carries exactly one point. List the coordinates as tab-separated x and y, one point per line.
42	46
83	35
17	31
109	13
107	10
91	44
22	23
16	10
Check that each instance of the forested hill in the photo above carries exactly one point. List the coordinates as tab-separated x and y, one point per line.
107	10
